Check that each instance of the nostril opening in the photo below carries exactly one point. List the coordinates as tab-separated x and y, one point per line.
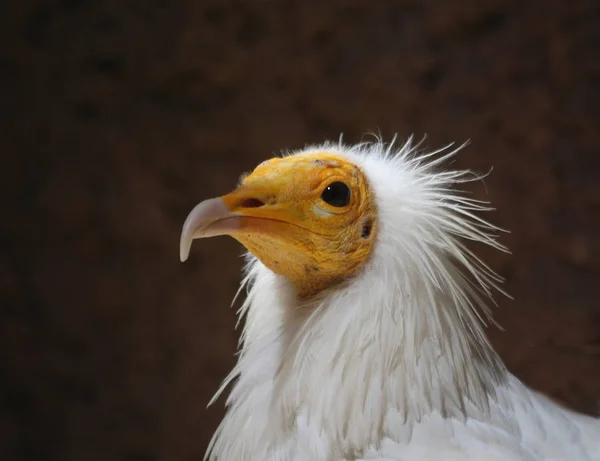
252	203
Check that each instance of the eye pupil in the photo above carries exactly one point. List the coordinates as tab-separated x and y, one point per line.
336	194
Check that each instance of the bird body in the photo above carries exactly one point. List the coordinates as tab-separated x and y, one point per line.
372	347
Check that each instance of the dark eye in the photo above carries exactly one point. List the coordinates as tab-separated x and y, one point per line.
336	194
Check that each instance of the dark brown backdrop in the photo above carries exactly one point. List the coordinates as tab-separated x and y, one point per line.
119	115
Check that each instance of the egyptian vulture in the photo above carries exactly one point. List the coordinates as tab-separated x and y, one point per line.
364	319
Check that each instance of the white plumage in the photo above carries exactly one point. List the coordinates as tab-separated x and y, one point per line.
393	363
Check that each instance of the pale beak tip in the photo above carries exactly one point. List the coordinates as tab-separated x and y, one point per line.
185	243
184	252
199	218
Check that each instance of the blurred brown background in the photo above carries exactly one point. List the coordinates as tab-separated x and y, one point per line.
118	116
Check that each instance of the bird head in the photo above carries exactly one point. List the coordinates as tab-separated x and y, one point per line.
389	304
311	218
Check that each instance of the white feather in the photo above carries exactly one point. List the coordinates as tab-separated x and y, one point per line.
394	364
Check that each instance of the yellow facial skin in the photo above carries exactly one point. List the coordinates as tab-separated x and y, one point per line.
279	215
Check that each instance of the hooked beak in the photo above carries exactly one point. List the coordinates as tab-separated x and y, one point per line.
246	210
209	218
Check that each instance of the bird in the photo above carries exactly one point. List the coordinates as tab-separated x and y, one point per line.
365	316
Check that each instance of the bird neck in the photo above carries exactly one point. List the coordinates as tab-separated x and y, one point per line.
352	359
